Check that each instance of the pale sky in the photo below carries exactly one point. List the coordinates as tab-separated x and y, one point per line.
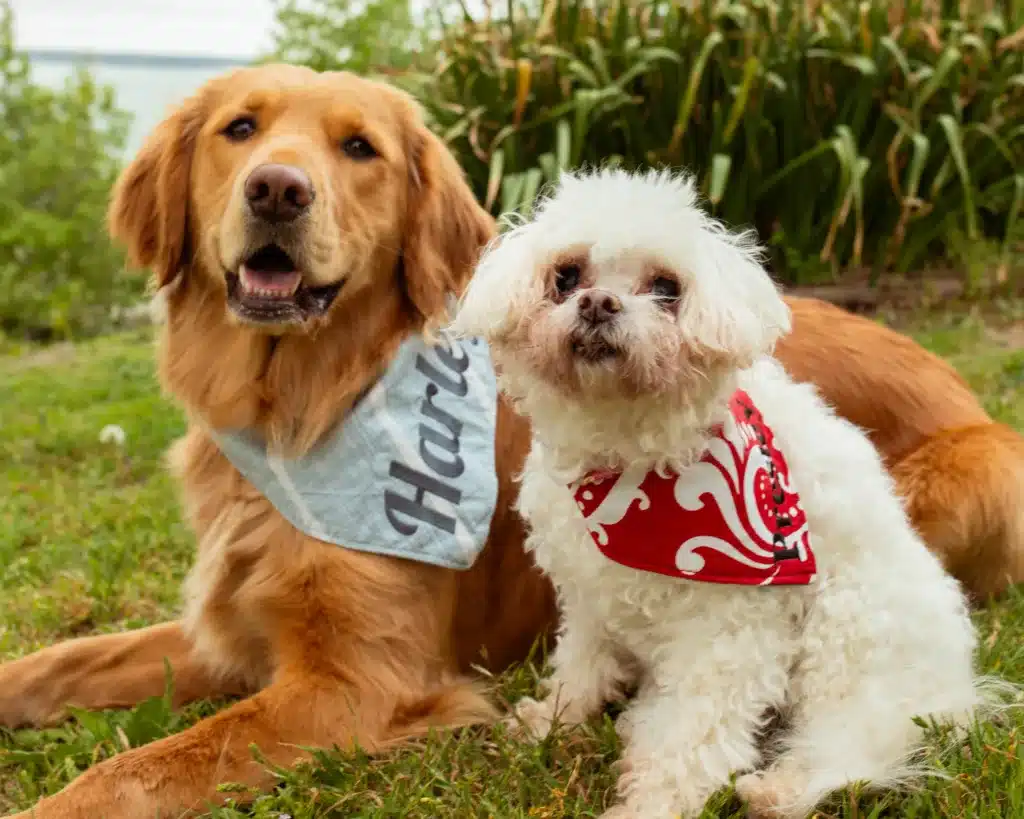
211	28
232	29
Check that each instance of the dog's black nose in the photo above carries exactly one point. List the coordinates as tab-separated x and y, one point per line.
598	306
279	193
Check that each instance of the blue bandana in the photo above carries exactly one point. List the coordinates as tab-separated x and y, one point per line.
409	473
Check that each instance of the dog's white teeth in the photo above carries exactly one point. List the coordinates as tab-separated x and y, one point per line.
252	288
260	292
264	293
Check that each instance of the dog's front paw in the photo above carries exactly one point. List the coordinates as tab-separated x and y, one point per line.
29	692
769	795
627	810
532	719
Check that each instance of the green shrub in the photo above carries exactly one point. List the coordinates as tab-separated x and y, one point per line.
356	35
843	138
850	133
59	155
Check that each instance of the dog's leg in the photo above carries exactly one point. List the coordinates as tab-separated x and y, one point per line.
587	672
181	773
839	738
833	744
356	663
695	721
878	660
107	671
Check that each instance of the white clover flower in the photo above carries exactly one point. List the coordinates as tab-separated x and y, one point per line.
112	434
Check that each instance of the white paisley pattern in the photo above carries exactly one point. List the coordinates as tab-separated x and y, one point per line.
731	479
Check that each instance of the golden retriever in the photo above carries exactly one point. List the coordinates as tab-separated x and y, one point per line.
300	226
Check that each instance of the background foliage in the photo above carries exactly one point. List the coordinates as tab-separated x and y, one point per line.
850	133
864	135
360	36
59	155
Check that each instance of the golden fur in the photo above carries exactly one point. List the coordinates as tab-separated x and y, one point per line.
961	474
340	647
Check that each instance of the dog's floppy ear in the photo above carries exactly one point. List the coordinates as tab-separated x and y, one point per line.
505	282
149	204
446	228
735	308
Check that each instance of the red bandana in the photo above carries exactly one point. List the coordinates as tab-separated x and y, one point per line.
733	517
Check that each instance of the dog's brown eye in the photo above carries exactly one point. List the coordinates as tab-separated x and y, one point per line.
567	278
240	129
358	148
665	288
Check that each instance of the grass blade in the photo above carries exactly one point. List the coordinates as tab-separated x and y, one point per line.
956	148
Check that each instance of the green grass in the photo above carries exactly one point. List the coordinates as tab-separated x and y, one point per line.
91	540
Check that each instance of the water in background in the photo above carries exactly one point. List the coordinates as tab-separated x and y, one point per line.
146	87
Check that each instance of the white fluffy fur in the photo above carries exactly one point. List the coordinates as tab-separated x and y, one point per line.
883	635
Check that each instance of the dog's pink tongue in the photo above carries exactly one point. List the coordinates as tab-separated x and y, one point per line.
272	283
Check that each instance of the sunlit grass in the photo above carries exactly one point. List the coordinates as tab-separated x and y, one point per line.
91	540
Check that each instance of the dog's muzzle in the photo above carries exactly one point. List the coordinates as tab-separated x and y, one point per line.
268	287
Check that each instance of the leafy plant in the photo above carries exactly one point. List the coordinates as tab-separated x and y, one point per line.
357	35
849	133
59	155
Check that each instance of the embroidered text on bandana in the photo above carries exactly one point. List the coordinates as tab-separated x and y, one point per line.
409	473
734	517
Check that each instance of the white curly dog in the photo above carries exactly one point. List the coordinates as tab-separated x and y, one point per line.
719	538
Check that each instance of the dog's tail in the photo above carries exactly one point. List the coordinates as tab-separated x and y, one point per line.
964	492
455	704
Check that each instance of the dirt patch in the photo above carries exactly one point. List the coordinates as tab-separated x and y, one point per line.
60	353
1011	336
890	292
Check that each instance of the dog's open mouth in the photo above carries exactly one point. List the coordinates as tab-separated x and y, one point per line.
268	289
269	274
